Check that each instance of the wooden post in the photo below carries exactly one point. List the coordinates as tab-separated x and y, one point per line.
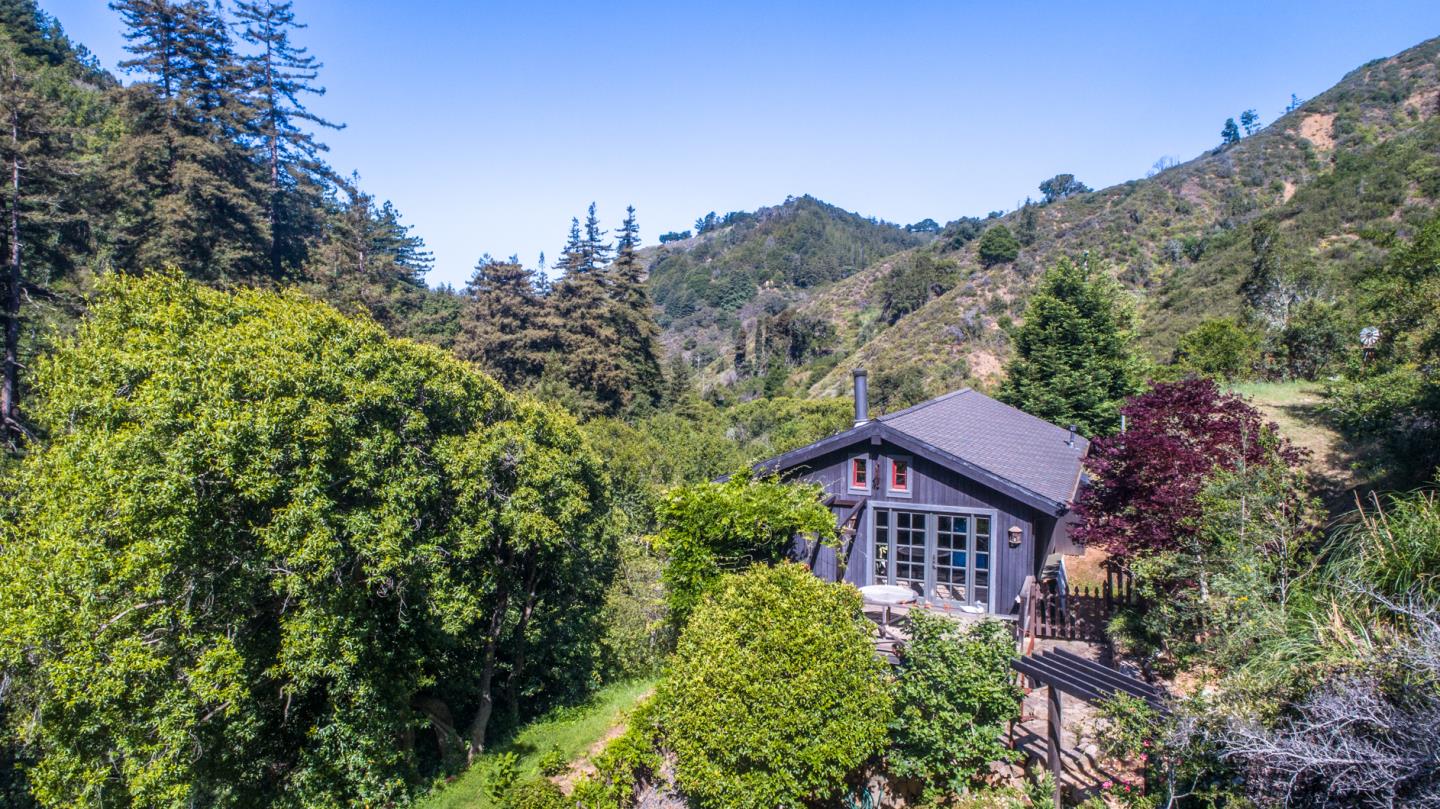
1053	745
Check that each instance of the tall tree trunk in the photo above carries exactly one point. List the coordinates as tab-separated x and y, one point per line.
487	677
10	364
512	685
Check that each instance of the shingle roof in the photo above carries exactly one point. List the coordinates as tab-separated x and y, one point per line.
1012	444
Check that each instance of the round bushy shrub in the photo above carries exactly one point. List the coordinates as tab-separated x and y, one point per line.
775	694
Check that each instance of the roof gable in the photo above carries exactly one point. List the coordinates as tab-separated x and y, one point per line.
985	440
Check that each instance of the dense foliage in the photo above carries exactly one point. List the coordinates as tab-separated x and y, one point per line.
913	281
998	246
1219	348
775	694
1145	481
955	694
263	543
1074	362
1395	394
587	341
712	527
803	242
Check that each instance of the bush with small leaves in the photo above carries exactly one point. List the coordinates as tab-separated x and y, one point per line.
775	694
536	793
954	695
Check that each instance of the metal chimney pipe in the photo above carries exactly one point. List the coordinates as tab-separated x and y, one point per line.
1071	440
862	397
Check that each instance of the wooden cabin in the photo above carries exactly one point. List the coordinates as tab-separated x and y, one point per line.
959	498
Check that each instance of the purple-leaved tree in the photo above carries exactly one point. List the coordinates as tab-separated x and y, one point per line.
1145	481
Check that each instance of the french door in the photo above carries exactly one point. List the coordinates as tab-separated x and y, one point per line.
943	557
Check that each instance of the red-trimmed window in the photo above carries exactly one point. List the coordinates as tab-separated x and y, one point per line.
899	476
859	474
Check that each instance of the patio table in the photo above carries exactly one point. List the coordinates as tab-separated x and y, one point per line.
887	596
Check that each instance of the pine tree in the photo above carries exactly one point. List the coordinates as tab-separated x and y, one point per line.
501	322
1073	362
185	187
633	314
369	261
1250	120
572	256
594	250
29	153
277	75
1230	133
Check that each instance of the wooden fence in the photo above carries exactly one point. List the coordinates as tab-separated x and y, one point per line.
1048	611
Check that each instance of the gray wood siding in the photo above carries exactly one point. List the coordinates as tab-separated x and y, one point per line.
931	485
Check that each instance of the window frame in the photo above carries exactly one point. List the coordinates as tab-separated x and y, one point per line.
850	468
995	551
909	465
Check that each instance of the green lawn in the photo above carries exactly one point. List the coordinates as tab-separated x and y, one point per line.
573	730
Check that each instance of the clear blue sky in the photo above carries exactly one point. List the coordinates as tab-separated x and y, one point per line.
490	124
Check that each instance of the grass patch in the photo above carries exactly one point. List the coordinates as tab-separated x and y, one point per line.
571	730
1298	409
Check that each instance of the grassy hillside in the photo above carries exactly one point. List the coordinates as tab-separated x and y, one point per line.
1315	200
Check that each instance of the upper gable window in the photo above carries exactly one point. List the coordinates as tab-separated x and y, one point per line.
860	474
899	475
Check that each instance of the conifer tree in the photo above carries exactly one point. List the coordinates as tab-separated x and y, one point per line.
633	313
594	250
500	324
277	75
370	261
1073	362
183	183
33	244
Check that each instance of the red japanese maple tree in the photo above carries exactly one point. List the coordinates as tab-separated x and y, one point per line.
1144	482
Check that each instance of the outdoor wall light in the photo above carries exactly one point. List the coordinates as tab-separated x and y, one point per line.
1014	534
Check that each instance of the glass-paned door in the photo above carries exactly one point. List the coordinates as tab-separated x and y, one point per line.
942	557
952	557
909	544
880	559
980	582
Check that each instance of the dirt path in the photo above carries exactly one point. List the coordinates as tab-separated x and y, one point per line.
584	765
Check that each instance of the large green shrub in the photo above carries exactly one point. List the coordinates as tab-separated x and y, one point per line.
998	246
775	694
263	543
1219	348
708	528
954	694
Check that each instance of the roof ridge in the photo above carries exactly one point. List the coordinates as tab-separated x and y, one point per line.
912	408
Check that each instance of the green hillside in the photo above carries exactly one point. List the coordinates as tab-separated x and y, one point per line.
710	285
1287	218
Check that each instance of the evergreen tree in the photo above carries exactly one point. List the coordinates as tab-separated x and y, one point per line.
369	261
998	246
1230	133
633	313
579	318
277	75
1073	362
500	324
1250	120
39	210
184	187
594	250
572	256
